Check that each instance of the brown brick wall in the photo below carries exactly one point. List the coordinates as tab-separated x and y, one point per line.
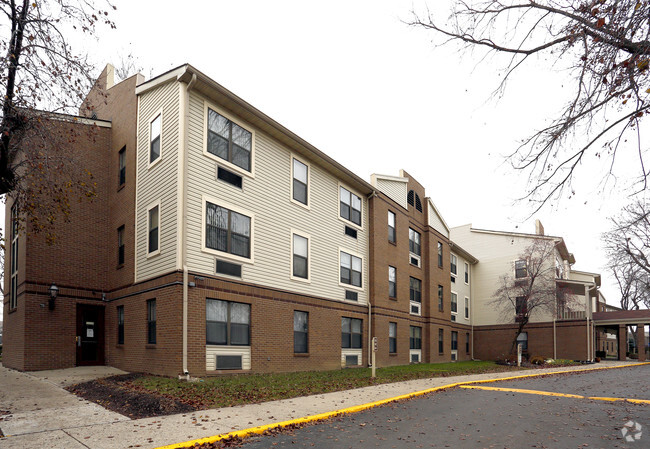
494	342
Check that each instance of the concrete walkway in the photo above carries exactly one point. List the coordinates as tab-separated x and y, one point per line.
44	415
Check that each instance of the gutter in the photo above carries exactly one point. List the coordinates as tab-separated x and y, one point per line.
185	107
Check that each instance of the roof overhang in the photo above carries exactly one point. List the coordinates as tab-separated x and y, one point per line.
225	98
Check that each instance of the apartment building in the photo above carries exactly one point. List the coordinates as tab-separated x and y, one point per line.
566	332
221	242
419	276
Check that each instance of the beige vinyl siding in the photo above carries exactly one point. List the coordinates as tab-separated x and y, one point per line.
497	254
462	289
435	221
267	197
211	352
349	351
158	182
395	190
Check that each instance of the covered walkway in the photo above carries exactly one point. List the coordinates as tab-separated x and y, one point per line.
617	323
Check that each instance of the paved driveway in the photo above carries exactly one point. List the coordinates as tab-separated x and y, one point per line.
34	404
510	414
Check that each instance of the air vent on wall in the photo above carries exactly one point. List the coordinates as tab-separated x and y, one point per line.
453	279
415	261
415	358
351	232
229	177
453	318
227	268
229	362
352	296
351	360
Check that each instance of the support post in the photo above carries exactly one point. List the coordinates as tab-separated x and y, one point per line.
640	341
622	341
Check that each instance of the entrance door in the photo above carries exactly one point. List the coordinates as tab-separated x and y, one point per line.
90	335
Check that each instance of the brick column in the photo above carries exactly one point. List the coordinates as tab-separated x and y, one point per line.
640	341
622	341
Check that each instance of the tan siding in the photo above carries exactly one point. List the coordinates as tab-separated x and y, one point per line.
158	183
211	353
267	197
436	222
497	254
395	190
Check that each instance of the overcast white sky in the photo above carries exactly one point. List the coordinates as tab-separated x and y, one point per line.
376	95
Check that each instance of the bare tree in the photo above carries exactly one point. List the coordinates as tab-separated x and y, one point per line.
602	44
628	252
40	70
532	290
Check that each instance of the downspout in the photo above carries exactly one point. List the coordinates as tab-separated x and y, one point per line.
370	288
554	340
370	347
185	107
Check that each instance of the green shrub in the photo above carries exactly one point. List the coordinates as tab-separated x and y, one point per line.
537	360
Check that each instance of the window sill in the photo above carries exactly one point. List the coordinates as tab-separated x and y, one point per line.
392	354
121	187
120	266
119	345
392	243
221	372
392	298
301	354
150	346
12	310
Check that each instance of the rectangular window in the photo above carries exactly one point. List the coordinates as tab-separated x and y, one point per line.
120	245
454	340
454	262
121	177
441	346
300	257
440	299
439	254
227	231
523	340
454	302
13	289
521	307
151	321
415	340
300	181
154	139
229	141
415	290
350	206
466	307
120	325
391	227
392	338
466	273
154	224
300	332
351	335
521	269
227	323
350	269
392	282
467	342
414	242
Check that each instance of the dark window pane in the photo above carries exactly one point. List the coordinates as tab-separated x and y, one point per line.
155	149
217	145
153	240
356	279
241	157
216	333
345	275
345	211
345	340
356	340
355	216
239	334
299	191
300	267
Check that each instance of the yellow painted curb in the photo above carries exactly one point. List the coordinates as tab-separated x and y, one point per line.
358	408
561	395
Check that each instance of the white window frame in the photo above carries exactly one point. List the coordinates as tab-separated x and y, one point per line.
338	206
149	208
308	237
363	268
453	256
466	271
155	115
514	269
451	302
468	314
227	164
294	201
222	254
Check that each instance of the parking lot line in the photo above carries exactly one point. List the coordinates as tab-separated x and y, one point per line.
550	393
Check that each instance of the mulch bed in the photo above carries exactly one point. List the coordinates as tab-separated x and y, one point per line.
118	394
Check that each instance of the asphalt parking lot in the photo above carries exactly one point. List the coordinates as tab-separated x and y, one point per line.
489	418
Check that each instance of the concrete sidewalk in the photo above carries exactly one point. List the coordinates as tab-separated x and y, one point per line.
95	427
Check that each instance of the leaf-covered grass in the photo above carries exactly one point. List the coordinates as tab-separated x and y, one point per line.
227	391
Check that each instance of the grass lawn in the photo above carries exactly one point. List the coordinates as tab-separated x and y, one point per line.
227	391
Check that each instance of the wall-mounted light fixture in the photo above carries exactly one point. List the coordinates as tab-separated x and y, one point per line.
54	292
